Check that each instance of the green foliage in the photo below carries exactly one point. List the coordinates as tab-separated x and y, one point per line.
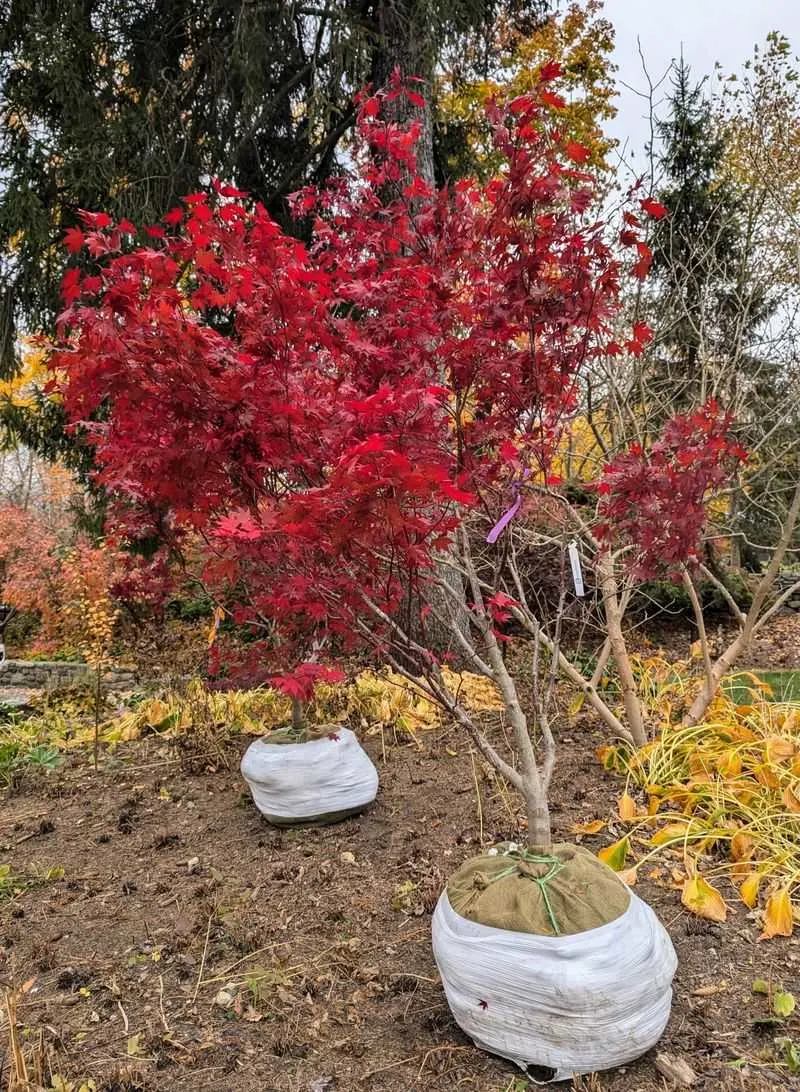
21	628
22	750
784	686
656	597
190	609
791	1054
13	883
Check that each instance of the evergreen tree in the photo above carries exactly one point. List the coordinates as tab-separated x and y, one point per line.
711	300
125	105
707	303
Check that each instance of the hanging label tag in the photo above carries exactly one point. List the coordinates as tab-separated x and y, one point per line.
575	562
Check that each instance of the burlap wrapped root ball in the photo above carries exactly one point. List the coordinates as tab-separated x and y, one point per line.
550	960
322	778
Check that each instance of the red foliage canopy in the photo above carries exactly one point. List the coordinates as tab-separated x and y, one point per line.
325	414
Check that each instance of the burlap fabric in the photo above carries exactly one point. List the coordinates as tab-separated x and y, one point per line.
558	891
288	734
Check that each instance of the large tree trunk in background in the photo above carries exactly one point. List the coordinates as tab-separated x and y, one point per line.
405	42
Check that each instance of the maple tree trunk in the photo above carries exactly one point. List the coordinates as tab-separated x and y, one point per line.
619	649
538	812
297	715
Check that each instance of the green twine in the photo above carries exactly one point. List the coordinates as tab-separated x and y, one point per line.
556	865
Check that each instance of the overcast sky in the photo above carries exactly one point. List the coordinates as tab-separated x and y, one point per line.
707	30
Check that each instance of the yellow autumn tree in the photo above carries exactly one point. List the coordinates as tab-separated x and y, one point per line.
759	119
580	40
22	388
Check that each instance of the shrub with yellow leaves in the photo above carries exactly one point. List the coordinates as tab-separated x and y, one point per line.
722	798
374	701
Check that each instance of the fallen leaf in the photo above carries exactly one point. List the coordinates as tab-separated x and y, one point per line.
766	776
742	846
791	800
710	990
704	900
760	985
729	764
134	1045
614	855
628	876
592	827
676	1070
748	890
626	807
783	1003
778	915
779	750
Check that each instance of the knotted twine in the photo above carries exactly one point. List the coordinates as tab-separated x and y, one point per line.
558	891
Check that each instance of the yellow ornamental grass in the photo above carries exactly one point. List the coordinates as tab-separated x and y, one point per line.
724	797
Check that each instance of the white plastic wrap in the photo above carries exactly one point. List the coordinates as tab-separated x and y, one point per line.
573	1004
321	779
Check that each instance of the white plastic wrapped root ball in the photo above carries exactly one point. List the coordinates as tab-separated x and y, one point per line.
549	960
320	780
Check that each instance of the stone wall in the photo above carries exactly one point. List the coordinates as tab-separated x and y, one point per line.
783	582
47	674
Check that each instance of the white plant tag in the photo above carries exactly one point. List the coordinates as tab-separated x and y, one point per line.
575	562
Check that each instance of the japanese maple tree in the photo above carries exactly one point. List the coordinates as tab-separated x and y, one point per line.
344	422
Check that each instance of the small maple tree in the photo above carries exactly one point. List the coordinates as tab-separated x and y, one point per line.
343	420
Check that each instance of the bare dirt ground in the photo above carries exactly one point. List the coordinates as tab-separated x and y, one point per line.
188	945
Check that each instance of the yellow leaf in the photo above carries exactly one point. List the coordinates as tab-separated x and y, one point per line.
729	764
672	832
766	776
748	891
576	704
219	614
745	710
778	915
741	846
704	900
696	650
607	756
614	855
779	750
791	800
592	827
626	806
